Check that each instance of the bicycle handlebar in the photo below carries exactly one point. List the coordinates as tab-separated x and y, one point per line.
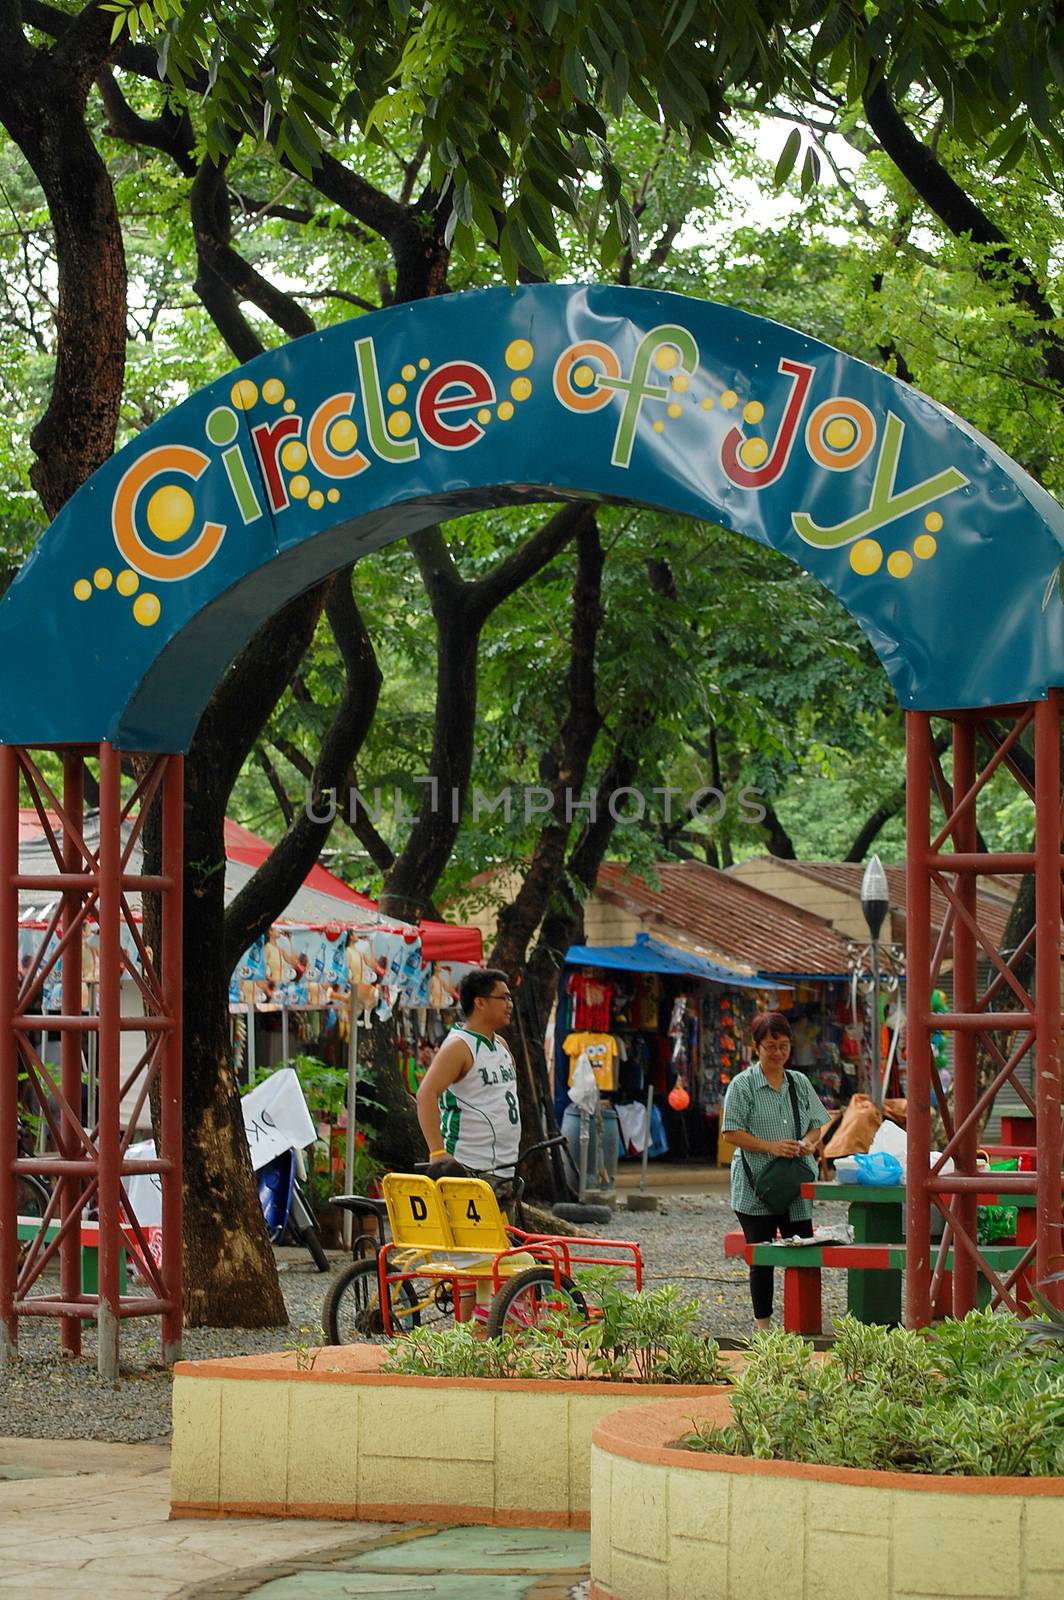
533	1149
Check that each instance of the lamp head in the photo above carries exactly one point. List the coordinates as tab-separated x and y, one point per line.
875	896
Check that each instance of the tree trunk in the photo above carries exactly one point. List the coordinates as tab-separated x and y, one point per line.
230	1273
397	1137
409	886
460	611
266	894
519	920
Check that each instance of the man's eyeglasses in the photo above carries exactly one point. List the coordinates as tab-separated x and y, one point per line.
508	997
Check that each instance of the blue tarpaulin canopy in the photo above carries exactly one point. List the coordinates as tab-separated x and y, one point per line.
648	955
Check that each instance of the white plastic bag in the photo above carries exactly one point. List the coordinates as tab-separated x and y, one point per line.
890	1141
583	1090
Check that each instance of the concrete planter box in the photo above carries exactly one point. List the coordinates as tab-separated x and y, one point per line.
669	1524
256	1436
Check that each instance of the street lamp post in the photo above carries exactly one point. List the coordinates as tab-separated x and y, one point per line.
875	903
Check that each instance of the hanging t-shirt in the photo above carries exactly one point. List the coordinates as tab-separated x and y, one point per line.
803	1042
647	1004
591	997
601	1051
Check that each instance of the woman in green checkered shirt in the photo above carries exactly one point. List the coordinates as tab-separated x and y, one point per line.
759	1121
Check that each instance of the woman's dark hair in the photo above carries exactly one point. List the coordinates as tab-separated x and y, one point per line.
770	1022
478	983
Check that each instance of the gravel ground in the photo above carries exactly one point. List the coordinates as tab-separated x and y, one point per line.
50	1396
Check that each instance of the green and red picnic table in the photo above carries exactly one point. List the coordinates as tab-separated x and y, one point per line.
28	1228
876	1258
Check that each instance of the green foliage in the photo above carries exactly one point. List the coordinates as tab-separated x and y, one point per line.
967	1397
457	1352
646	1337
514	102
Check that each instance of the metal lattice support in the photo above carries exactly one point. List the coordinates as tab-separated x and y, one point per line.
91	885
1003	1019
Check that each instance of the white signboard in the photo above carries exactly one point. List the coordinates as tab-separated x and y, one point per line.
275	1119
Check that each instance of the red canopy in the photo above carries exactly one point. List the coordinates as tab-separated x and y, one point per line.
243	845
440	941
446	941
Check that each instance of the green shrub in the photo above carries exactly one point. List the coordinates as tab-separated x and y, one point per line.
967	1397
457	1352
648	1337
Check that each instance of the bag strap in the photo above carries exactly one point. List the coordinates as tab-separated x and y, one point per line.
794	1106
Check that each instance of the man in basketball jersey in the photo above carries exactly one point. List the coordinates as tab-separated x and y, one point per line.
467	1103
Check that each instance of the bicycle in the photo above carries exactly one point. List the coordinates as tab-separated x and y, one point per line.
447	1239
31	1196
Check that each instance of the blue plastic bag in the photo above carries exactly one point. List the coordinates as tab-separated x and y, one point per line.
879	1170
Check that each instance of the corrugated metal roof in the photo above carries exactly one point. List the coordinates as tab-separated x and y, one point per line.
996	894
727	919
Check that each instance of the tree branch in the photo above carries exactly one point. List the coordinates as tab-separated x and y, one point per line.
266	894
273	778
360	822
530	557
209	207
895	801
962	216
168	133
360	199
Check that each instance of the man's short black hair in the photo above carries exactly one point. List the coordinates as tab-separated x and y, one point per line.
478	983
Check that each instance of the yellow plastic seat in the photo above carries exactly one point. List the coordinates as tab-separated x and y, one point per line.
473	1215
477	1224
415	1212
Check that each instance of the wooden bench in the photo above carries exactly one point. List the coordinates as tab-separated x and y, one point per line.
802	1264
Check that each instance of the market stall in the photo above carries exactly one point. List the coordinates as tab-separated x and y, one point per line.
648	1015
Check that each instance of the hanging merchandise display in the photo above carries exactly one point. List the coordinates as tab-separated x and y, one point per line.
648	1057
317	968
602	1051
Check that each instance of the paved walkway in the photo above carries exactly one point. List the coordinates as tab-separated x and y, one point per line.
80	1518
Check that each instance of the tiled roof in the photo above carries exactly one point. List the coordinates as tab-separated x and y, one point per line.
996	894
729	920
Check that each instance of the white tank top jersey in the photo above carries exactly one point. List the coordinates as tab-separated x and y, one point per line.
479	1115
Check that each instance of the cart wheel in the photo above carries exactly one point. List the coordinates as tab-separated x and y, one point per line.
352	1308
530	1297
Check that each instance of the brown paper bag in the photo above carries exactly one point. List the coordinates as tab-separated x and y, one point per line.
855	1132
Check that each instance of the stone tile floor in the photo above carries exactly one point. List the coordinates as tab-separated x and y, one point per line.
441	1564
79	1518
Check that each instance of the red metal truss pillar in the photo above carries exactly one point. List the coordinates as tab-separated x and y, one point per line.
92	887
999	1020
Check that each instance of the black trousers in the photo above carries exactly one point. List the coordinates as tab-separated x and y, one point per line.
762	1230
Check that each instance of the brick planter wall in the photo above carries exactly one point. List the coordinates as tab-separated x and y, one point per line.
669	1524
255	1436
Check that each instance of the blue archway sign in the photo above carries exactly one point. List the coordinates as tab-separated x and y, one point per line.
163	565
